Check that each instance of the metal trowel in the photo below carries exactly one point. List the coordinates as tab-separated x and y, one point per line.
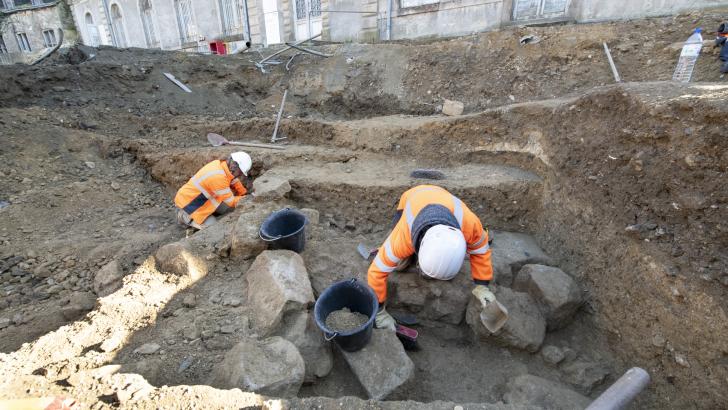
493	316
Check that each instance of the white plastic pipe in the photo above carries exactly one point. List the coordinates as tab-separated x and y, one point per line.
619	395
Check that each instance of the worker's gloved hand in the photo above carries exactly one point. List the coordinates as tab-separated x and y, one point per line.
384	320
484	295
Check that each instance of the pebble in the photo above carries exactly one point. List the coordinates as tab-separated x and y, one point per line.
115	186
552	355
147	348
227	329
234	302
189	301
681	360
90	164
19	319
4	322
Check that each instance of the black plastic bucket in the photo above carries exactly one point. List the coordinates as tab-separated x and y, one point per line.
284	229
357	297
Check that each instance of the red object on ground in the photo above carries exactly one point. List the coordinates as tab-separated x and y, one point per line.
218	47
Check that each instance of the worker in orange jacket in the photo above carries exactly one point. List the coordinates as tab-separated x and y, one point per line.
439	229
214	190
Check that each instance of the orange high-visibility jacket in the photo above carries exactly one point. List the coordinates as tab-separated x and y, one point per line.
212	185
399	246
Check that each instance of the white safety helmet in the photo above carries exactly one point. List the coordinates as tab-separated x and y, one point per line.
243	160
442	252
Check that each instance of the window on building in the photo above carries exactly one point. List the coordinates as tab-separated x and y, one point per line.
414	3
8	4
539	9
23	42
94	38
3	47
36	2
303	7
22	3
49	38
232	16
148	23
185	23
117	24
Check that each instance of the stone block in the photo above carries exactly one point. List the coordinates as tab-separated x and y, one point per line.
382	365
272	367
525	328
584	375
270	188
278	283
556	293
177	258
108	279
245	240
526	389
450	107
444	301
511	251
300	329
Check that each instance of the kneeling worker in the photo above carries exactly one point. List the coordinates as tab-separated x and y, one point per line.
214	190
439	229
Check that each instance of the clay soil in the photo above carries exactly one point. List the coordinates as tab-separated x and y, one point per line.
623	185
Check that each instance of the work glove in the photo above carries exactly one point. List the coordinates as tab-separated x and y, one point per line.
484	295
384	320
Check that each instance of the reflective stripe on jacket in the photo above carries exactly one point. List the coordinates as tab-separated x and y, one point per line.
212	185
399	246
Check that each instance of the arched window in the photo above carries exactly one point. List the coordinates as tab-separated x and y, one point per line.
117	24
92	31
148	23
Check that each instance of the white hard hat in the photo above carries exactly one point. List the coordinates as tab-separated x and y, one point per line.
442	252
243	160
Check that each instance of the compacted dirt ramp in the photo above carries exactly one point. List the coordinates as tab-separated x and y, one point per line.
606	202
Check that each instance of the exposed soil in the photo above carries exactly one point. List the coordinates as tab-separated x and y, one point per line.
623	185
345	320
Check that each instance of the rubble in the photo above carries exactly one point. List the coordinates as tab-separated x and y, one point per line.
178	259
382	365
556	293
300	329
444	301
452	108
270	188
527	390
525	328
271	367
278	283
584	375
108	279
511	251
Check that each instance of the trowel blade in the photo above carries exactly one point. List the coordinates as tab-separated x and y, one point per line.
216	140
365	252
494	316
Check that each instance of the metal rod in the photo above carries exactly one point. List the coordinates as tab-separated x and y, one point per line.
611	63
247	21
619	395
306	50
51	51
389	19
278	119
291	60
287	48
255	145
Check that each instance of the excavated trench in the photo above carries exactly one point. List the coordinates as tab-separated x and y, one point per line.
619	187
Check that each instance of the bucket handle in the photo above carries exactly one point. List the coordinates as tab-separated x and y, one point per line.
271	238
333	335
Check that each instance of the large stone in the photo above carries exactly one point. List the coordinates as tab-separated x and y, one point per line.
300	329
584	375
450	107
272	367
270	188
525	328
277	284
511	251
556	293
213	239
80	304
527	390
177	258
108	279
444	301
245	240
382	365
